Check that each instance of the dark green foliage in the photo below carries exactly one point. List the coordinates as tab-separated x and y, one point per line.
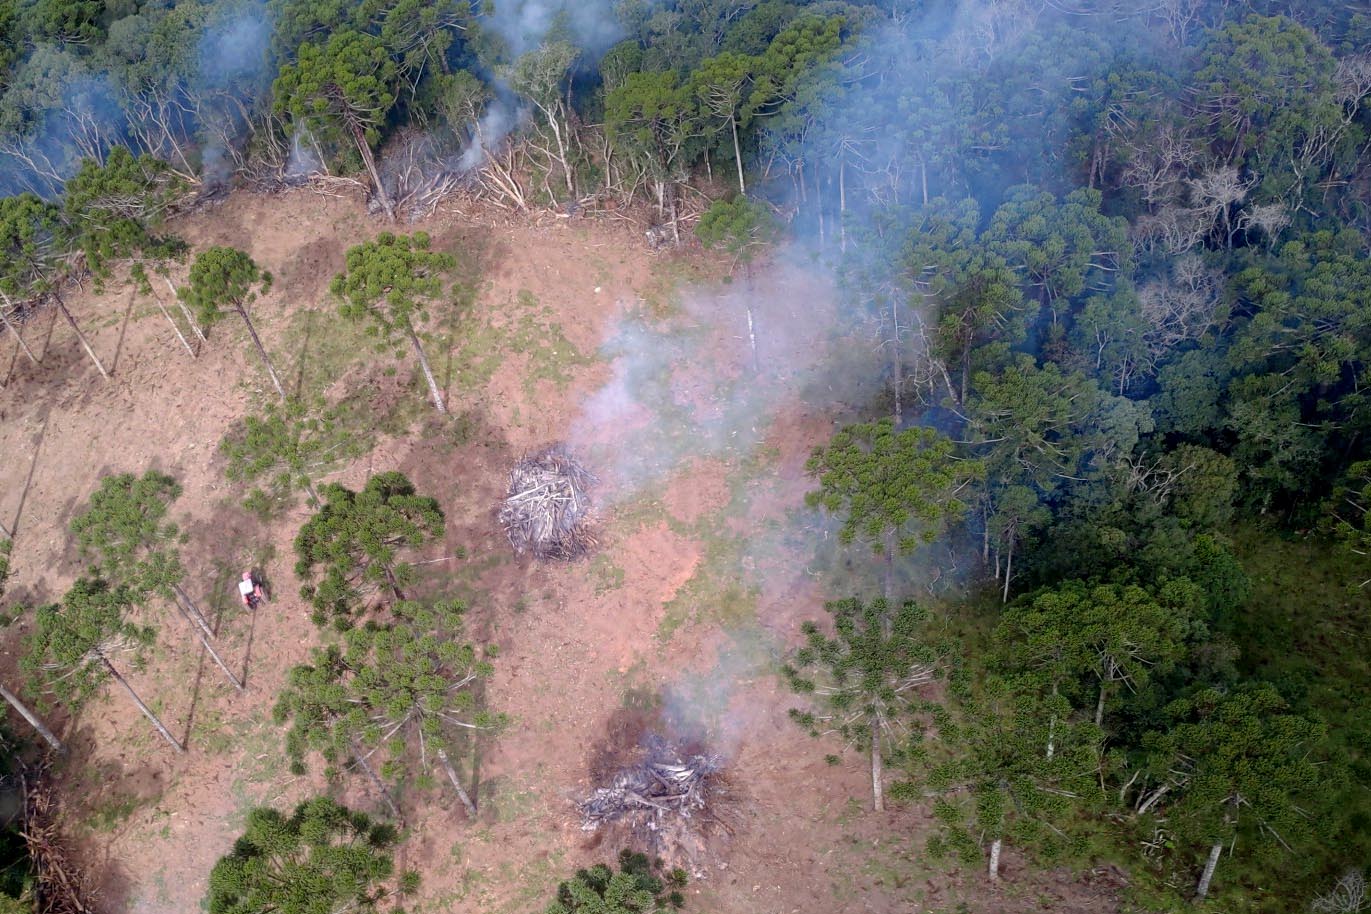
353	544
284	450
1000	781
1240	764
1117	636
222	281
322	859
32	239
866	679
113	209
390	281
340	89
405	687
737	226
893	488
126	519
632	889
71	639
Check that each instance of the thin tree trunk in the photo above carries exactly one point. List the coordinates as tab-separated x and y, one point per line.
189	606
1099	708
737	154
4	315
62	306
888	582
877	774
190	319
394	584
33	720
147	712
375	780
897	364
204	640
367	159
1008	570
457	784
170	320
1152	800
1052	729
842	204
261	350
428	372
994	867
1202	890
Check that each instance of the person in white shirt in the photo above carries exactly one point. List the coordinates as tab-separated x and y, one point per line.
250	590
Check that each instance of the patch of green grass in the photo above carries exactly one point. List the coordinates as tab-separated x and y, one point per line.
718	593
605	574
662	295
481	344
318	347
534	882
109	813
506	801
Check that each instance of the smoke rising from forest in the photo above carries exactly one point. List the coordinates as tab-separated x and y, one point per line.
687	387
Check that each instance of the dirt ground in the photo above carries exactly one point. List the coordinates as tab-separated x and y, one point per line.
565	331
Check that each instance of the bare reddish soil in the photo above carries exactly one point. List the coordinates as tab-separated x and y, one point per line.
698	587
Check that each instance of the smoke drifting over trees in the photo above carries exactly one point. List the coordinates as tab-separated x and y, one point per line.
1099	349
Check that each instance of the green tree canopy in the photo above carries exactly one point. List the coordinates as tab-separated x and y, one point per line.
1239	763
389	282
224	281
284	449
632	889
341	91
322	859
114	207
894	489
1118	635
352	544
866	679
404	687
1000	780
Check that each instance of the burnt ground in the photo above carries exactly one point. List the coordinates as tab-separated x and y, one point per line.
564	331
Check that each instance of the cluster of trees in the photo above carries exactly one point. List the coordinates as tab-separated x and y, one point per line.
134	562
1124	312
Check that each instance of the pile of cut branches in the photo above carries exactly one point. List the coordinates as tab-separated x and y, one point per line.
61	886
665	804
546	508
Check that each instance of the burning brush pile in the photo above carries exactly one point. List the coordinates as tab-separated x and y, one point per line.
666	804
546	510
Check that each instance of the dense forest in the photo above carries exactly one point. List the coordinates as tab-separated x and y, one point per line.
1119	262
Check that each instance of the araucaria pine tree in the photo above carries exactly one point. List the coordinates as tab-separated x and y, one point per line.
389	282
866	680
894	488
284	449
74	642
1239	764
322	859
126	532
403	689
352	545
633	889
1000	779
225	281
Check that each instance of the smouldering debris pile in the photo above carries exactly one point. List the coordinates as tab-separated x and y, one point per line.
547	506
663	805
